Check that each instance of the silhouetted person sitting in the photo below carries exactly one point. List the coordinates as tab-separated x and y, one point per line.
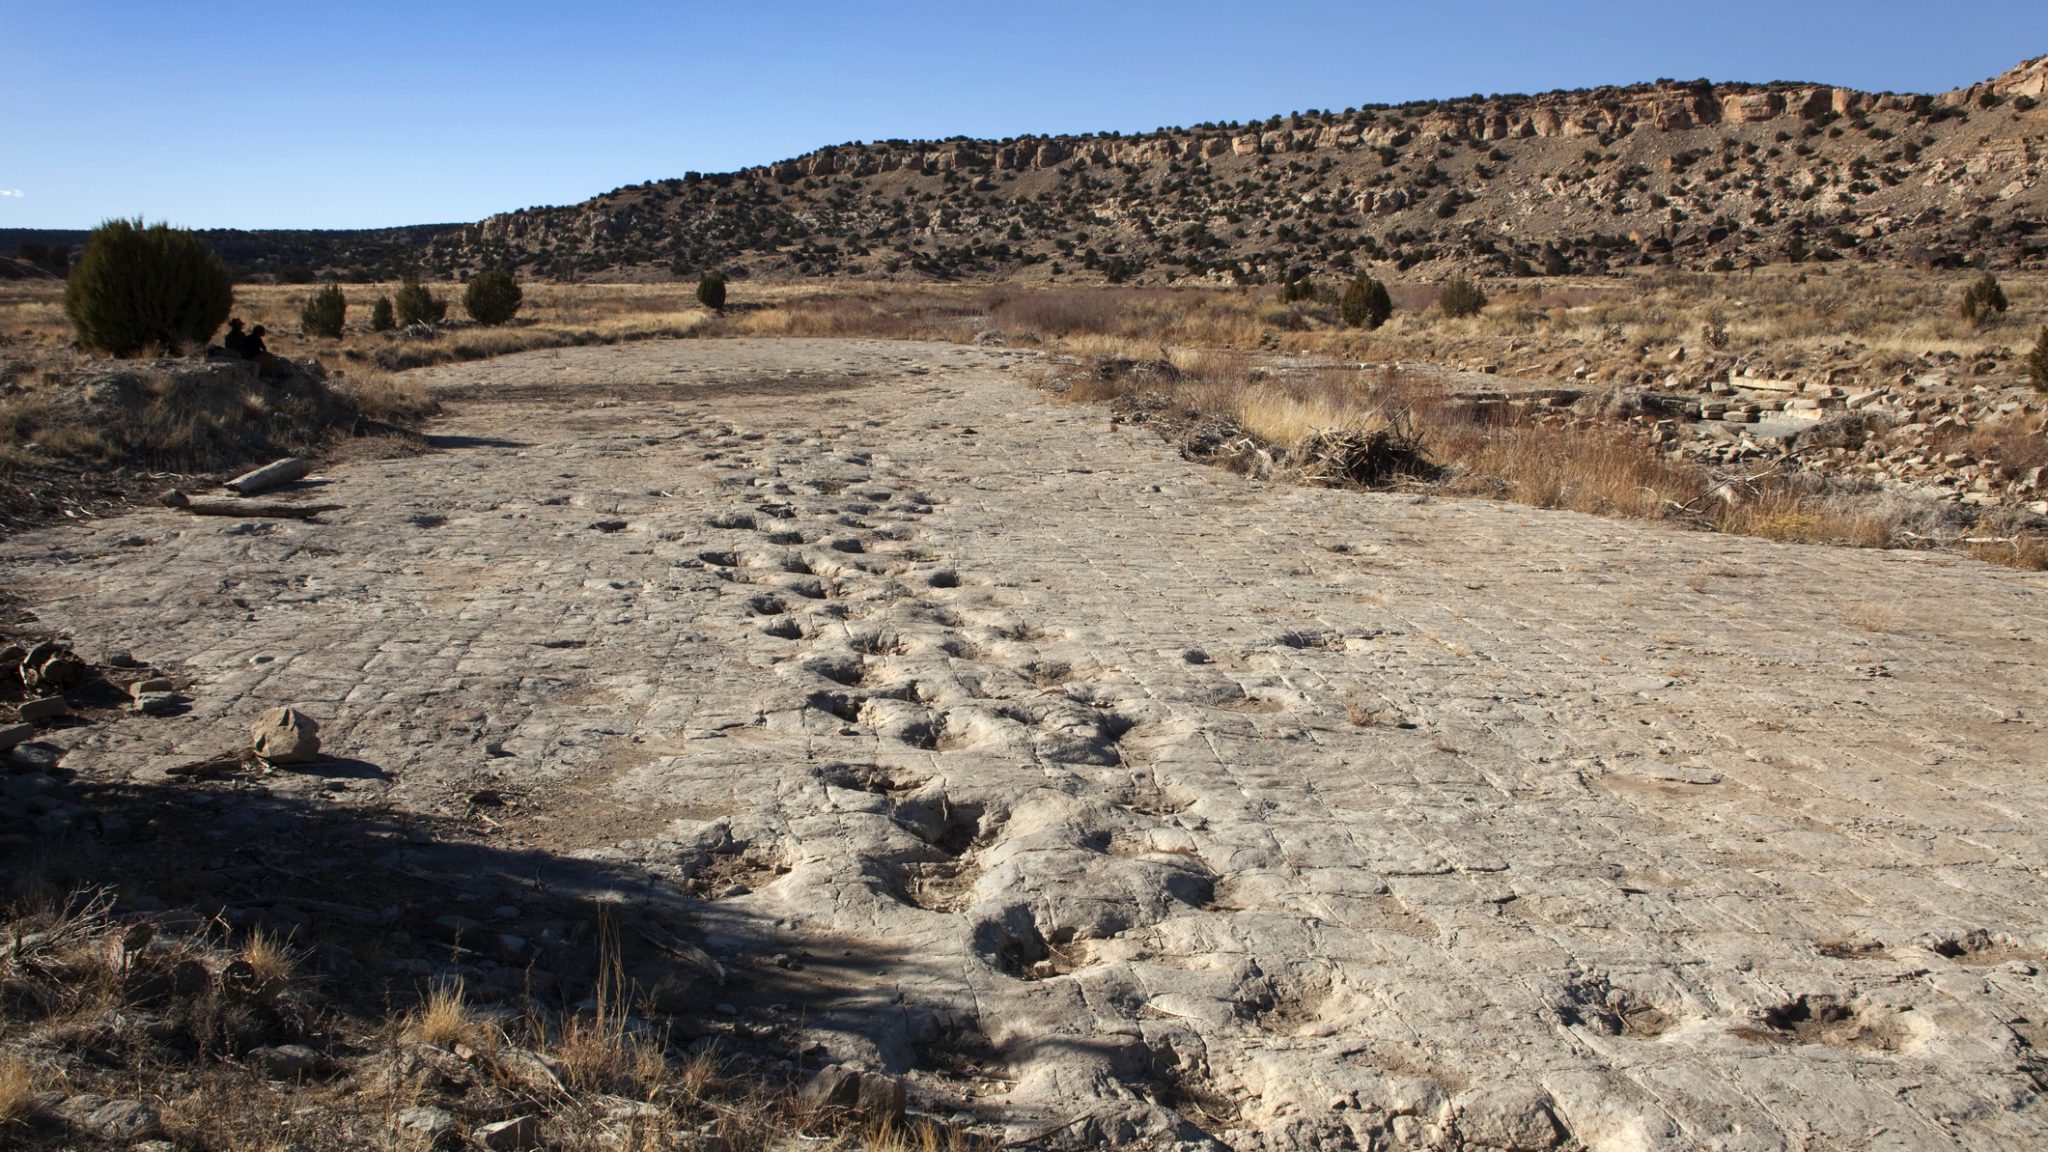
236	342
268	366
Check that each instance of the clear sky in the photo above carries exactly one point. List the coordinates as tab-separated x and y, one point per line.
290	114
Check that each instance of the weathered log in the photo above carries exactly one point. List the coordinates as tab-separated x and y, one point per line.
271	475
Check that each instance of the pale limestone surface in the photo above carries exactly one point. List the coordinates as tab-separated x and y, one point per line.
1113	794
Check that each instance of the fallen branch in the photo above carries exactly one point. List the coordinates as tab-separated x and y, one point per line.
245	509
225	764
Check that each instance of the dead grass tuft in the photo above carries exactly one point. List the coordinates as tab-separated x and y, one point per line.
1872	616
917	1136
444	1019
17	1091
270	959
602	1050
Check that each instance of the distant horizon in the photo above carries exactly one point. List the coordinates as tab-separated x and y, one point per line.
391	116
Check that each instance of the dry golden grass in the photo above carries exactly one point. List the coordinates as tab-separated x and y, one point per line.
1873	617
270	958
1618	326
380	395
17	1091
917	1136
1284	416
445	1019
1618	329
600	1051
2027	553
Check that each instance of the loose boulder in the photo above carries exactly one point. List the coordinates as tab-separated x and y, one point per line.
285	735
873	1098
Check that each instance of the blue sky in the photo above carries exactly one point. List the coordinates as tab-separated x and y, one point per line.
319	115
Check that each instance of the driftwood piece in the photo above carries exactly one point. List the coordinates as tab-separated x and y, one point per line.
246	509
271	475
225	764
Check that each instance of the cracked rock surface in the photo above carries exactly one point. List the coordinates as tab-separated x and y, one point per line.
1127	800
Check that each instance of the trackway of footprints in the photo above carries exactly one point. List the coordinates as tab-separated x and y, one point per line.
1116	799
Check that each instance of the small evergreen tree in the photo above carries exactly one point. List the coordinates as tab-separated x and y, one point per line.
1460	297
417	304
2037	361
711	291
382	318
1366	304
1984	300
136	288
324	313
1379	307
492	297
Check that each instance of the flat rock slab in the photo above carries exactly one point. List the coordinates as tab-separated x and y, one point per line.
1126	799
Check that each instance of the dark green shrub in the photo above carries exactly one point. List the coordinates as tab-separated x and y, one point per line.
2037	361
1460	297
382	319
417	304
324	312
1366	304
1984	300
137	288
50	258
492	297
711	291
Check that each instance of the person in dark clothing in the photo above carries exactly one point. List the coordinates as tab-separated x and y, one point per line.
268	365
236	340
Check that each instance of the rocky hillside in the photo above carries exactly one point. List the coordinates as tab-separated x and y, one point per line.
1695	174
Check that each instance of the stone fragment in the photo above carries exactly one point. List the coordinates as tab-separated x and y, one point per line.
14	734
44	710
287	1061
285	735
157	703
117	1121
1509	1118
517	1135
530	1070
153	684
432	1124
874	1098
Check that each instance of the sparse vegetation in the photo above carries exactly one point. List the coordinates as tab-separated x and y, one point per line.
140	288
382	317
2037	361
324	313
492	297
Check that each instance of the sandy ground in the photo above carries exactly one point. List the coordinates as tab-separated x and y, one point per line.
1123	799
